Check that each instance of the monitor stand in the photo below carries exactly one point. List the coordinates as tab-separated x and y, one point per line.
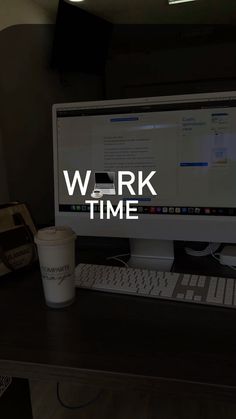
151	254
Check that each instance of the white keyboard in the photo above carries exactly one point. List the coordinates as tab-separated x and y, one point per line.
166	285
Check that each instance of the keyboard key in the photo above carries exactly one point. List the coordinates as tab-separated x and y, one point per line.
164	289
185	279
145	290
197	298
180	296
193	280
189	294
201	281
229	291
215	291
234	303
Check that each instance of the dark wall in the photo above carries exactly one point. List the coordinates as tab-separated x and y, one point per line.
152	60
4	197
28	88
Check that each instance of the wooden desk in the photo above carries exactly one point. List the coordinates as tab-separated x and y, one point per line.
114	341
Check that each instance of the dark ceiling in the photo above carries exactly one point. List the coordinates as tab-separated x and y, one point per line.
155	11
159	11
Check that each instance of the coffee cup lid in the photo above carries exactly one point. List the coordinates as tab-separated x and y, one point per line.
50	236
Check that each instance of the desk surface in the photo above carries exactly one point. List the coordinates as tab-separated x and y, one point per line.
112	340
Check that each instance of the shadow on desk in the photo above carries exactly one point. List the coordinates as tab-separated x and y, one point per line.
123	404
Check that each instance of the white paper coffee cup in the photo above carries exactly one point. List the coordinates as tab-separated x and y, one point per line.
56	251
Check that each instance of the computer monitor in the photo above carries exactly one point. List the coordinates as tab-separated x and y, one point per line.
186	144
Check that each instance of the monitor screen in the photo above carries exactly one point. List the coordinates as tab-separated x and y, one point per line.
188	143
